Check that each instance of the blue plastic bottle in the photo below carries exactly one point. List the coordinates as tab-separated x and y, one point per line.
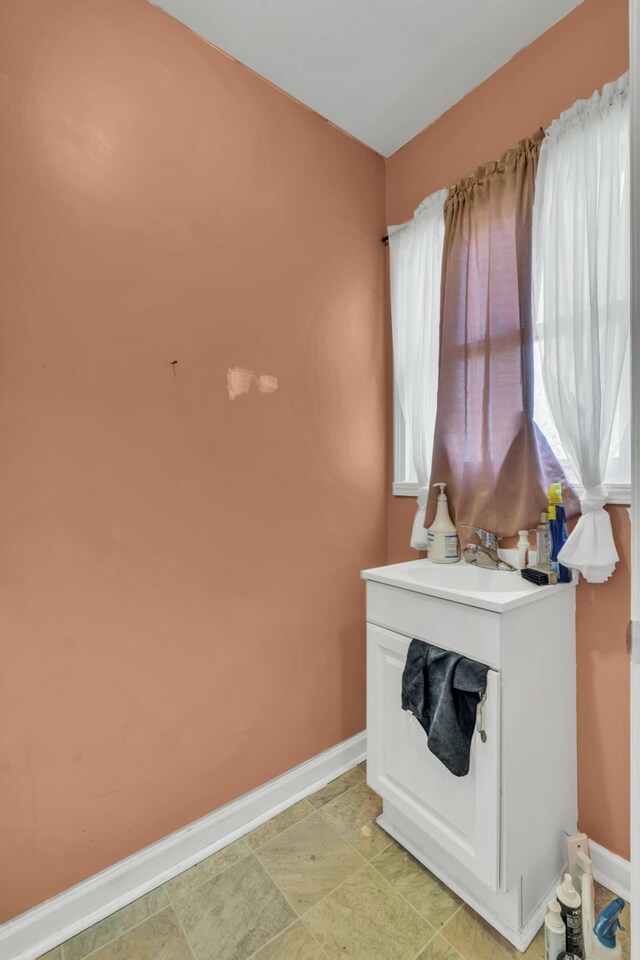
605	929
558	531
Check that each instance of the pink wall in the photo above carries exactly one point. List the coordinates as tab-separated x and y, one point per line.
578	55
178	571
181	611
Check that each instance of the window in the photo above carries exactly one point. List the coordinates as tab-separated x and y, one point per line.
618	477
581	261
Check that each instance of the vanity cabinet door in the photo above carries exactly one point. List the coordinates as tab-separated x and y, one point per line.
461	815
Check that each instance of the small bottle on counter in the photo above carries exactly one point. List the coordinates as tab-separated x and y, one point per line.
543	542
558	531
523	548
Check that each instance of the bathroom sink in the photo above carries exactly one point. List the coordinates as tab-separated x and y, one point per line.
462	582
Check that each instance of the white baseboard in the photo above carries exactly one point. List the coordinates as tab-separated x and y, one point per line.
612	871
54	921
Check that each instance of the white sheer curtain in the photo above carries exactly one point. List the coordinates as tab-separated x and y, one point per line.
581	272
416	266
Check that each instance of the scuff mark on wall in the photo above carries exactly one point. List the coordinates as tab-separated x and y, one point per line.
267	383
239	381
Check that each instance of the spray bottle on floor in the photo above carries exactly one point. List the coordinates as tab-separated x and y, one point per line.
605	944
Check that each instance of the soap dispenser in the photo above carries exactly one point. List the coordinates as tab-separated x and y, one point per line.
442	538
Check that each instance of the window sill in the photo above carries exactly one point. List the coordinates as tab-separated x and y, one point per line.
619	493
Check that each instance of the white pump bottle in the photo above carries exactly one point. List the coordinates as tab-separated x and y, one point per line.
442	537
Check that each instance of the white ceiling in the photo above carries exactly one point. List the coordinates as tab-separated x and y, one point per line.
380	69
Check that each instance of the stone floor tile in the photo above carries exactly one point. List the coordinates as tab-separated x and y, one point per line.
185	882
354	816
308	861
267	831
417	884
115	925
364	919
474	939
234	914
158	938
296	943
336	787
439	949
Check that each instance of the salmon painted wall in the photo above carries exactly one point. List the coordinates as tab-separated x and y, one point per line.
578	55
181	612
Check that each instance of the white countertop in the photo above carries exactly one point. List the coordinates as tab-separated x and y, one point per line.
497	590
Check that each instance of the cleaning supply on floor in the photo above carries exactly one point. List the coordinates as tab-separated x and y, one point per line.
576	843
555	932
442	537
543	542
571	908
606	946
585	887
443	689
523	548
558	531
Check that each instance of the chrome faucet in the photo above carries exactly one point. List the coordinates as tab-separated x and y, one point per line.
484	554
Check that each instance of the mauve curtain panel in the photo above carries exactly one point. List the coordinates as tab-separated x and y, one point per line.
486	446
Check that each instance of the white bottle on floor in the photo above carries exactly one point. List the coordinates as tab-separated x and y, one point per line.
555	932
571	906
584	868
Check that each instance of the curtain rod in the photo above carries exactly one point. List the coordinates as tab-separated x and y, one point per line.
385	239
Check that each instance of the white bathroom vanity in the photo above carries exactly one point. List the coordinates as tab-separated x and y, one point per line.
496	836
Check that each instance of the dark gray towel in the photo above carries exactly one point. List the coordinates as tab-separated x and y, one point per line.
442	689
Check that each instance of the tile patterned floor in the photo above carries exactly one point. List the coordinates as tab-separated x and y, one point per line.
321	881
